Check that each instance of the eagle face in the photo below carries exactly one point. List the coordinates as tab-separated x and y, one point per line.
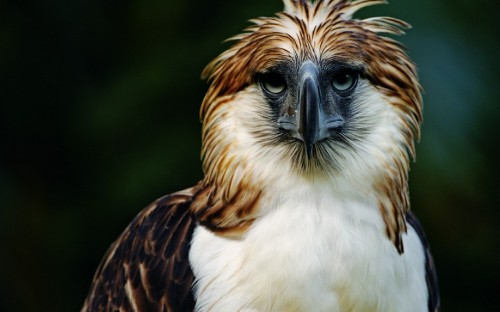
312	105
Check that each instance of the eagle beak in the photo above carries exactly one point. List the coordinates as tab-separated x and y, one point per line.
314	124
308	107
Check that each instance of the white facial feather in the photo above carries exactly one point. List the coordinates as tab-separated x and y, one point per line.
246	130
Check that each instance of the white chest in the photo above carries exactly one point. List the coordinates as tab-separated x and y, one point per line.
310	256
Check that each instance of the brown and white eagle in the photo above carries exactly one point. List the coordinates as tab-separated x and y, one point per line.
308	131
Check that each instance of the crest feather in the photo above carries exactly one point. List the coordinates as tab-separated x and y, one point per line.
385	24
347	7
354	6
292	5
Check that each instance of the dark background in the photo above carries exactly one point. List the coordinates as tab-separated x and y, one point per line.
99	117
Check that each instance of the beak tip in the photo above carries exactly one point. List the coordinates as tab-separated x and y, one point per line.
309	149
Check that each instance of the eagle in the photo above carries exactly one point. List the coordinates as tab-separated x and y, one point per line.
309	126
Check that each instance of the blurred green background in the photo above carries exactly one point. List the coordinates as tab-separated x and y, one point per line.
99	117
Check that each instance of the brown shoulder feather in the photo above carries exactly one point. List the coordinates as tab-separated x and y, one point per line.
147	268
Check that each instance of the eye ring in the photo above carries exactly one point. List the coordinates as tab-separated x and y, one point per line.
273	84
344	80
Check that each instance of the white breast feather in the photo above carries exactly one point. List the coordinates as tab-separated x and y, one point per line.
310	253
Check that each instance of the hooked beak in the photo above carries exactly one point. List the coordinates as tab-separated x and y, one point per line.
311	124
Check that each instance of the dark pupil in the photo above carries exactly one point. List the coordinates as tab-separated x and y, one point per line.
343	78
274	80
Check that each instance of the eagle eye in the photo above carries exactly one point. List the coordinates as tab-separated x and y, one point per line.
344	80
273	83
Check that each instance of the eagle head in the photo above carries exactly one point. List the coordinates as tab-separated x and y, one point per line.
310	96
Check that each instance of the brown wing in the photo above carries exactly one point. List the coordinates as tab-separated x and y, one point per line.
147	268
430	268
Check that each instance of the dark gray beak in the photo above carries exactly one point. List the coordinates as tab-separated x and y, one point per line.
310	124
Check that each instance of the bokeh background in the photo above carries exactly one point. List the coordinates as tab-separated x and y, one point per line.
99	117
